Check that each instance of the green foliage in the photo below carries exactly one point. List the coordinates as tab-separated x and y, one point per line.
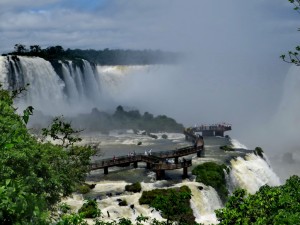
212	174
90	209
123	119
83	189
270	205
293	56
135	187
173	203
26	113
73	219
102	57
33	175
258	151
63	131
64	207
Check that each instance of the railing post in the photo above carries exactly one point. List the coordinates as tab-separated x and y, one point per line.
185	172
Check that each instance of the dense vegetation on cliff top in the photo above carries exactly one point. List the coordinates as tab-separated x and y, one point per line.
101	57
126	119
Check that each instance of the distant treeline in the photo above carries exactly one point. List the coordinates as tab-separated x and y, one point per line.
101	57
122	119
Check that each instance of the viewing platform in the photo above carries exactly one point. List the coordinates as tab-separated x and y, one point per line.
208	130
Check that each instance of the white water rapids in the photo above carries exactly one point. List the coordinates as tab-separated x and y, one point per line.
249	173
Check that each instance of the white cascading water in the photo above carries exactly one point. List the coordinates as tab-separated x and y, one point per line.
251	173
203	202
3	72
92	86
237	145
71	87
45	89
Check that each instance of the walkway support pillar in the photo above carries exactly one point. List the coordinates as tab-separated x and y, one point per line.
106	170
148	165
160	174
176	160
135	164
185	172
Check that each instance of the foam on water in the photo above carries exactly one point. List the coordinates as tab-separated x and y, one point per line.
236	144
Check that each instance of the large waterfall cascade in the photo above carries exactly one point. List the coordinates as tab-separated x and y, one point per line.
49	90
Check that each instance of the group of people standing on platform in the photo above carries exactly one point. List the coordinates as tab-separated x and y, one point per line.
148	152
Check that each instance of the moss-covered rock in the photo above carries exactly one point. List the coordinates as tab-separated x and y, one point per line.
227	148
173	203
135	187
164	136
123	203
258	151
212	174
90	209
83	189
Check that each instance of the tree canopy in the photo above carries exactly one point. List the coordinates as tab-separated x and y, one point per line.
34	176
270	205
101	57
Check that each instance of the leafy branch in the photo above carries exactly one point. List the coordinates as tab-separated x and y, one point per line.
292	56
63	131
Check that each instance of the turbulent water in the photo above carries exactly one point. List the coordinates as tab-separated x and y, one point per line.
248	171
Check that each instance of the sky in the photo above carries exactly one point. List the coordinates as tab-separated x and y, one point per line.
232	71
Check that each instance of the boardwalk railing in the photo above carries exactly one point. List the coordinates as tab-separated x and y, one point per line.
154	158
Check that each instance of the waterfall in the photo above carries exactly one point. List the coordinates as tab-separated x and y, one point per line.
55	88
3	72
251	173
71	88
46	88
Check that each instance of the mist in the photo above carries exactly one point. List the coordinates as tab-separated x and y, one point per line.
231	73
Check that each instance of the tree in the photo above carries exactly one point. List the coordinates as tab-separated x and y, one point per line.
63	131
270	205
19	48
34	176
35	48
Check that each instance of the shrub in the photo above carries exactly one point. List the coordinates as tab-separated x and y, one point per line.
64	207
173	203
90	209
258	151
83	189
135	187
